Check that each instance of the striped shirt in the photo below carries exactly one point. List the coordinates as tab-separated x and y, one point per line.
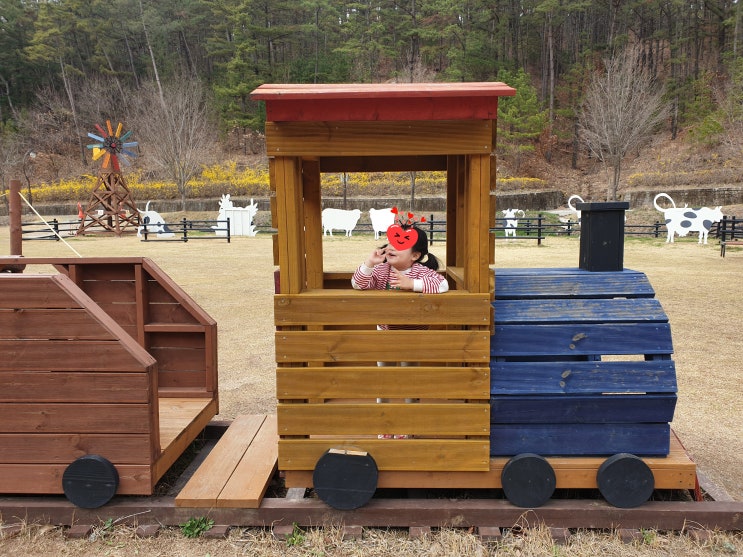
425	280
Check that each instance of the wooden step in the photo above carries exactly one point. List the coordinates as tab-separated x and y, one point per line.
236	473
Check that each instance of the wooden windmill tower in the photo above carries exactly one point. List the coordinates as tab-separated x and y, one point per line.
111	205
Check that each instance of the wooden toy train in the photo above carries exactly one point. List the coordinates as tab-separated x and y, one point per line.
527	380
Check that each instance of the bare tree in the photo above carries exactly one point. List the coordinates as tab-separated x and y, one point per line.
177	134
622	108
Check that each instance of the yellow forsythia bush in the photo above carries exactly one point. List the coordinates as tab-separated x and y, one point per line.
240	181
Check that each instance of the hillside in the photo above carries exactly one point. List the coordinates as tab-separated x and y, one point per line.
662	165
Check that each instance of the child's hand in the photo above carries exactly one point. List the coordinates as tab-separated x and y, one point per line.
375	258
399	280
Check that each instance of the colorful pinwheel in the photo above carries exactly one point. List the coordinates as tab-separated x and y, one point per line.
112	145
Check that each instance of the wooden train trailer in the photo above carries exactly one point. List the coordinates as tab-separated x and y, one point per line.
516	377
109	372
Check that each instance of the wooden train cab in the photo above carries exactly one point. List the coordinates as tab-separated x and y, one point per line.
327	342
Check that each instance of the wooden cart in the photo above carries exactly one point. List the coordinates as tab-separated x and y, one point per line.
109	372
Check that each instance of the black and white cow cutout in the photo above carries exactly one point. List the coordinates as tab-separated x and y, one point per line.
511	221
154	223
682	220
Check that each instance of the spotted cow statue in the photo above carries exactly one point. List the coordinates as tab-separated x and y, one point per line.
682	220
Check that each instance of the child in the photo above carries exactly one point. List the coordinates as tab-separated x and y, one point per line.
393	268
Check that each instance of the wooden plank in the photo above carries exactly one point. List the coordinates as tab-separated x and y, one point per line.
385	382
579	439
32	291
320	307
69	355
106	269
538	283
51	324
446	419
442	455
78	418
511	378
163	280
204	487
381	101
177	414
581	339
181	337
600	408
74	387
124	315
246	487
358	346
289	221
358	138
180	359
30	479
312	202
579	310
192	381
28	448
181	421
477	214
676	471
389	163
169	313
110	291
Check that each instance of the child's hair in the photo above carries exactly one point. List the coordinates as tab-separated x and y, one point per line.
421	246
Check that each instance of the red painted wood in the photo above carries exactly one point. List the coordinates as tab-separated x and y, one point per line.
380	102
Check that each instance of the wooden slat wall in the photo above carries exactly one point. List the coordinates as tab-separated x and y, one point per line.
156	312
328	380
74	383
79	369
599	381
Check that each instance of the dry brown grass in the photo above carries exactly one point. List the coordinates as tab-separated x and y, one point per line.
234	283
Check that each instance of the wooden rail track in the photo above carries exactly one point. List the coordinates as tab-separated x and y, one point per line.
484	510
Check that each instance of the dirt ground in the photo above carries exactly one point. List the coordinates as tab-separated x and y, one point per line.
234	283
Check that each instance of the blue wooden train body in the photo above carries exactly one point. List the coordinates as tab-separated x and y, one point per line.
580	364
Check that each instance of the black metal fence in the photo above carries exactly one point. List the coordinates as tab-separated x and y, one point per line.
529	228
186	230
55	231
182	231
729	228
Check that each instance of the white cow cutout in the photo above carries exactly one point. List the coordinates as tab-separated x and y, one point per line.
512	221
241	218
339	219
381	220
682	220
154	222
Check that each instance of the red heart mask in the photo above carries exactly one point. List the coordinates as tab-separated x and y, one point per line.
401	238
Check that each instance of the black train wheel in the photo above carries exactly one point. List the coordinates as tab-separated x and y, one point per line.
345	479
528	480
625	480
90	481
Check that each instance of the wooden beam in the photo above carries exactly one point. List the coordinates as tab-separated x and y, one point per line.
377	138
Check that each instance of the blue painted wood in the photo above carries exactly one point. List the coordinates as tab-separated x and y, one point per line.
581	339
573	283
582	409
580	439
516	378
548	310
580	364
